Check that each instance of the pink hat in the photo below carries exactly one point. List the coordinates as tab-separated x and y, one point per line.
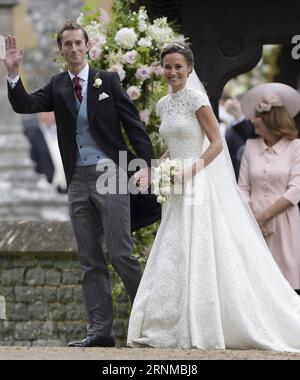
263	97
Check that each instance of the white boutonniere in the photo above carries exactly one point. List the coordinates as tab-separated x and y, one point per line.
97	83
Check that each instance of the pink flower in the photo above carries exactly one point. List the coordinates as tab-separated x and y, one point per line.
130	57
143	73
145	115
98	40
95	53
157	69
104	17
133	92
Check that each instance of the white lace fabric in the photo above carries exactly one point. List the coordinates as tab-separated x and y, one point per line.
209	282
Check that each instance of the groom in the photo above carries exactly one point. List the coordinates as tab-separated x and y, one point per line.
89	107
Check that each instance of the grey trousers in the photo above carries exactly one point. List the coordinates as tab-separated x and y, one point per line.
96	218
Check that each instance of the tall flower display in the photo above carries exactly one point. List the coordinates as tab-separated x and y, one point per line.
129	43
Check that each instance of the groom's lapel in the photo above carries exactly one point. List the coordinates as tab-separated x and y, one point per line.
92	95
68	95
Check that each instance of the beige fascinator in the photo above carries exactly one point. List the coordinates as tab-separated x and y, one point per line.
263	97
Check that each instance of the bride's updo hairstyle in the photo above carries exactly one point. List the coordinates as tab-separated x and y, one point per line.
178	47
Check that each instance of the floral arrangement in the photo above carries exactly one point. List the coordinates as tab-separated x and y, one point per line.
163	179
130	44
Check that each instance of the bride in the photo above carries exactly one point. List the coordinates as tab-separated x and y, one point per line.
210	281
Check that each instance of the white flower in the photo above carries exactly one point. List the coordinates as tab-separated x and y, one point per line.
98	39
130	57
143	73
145	42
134	92
142	26
160	31
142	14
179	38
97	83
115	58
79	19
126	38
162	199
93	29
145	115
118	68
95	53
142	17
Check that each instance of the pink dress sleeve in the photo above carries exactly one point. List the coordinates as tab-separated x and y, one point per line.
244	175
293	189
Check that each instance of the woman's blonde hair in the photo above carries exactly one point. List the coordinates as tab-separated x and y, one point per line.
279	122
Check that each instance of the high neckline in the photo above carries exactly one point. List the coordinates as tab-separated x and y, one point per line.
176	93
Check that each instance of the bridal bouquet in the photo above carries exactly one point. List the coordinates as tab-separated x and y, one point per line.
162	181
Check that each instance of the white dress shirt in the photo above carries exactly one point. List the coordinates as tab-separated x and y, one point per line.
83	78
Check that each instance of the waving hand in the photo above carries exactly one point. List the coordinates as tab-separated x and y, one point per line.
14	56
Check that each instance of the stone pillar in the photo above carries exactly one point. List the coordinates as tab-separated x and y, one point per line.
24	194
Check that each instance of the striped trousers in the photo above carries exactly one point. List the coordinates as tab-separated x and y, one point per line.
97	218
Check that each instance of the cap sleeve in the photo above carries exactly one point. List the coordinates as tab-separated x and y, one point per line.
198	99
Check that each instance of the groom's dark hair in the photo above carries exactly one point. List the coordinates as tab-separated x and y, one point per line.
69	25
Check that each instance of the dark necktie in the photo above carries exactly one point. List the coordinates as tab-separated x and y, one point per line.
77	88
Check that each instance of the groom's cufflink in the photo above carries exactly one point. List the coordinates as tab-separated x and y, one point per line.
103	96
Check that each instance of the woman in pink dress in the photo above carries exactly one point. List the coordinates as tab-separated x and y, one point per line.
270	173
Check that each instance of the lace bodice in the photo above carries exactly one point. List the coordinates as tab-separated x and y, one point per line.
179	125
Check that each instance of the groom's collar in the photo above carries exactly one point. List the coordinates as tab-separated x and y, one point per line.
84	73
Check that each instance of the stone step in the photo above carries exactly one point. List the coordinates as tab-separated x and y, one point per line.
34	213
23	176
14	154
13	141
10	129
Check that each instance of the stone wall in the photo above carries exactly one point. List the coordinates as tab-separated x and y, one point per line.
40	278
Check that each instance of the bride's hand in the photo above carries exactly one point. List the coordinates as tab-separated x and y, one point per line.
182	176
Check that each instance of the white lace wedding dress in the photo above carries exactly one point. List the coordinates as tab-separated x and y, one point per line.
210	281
